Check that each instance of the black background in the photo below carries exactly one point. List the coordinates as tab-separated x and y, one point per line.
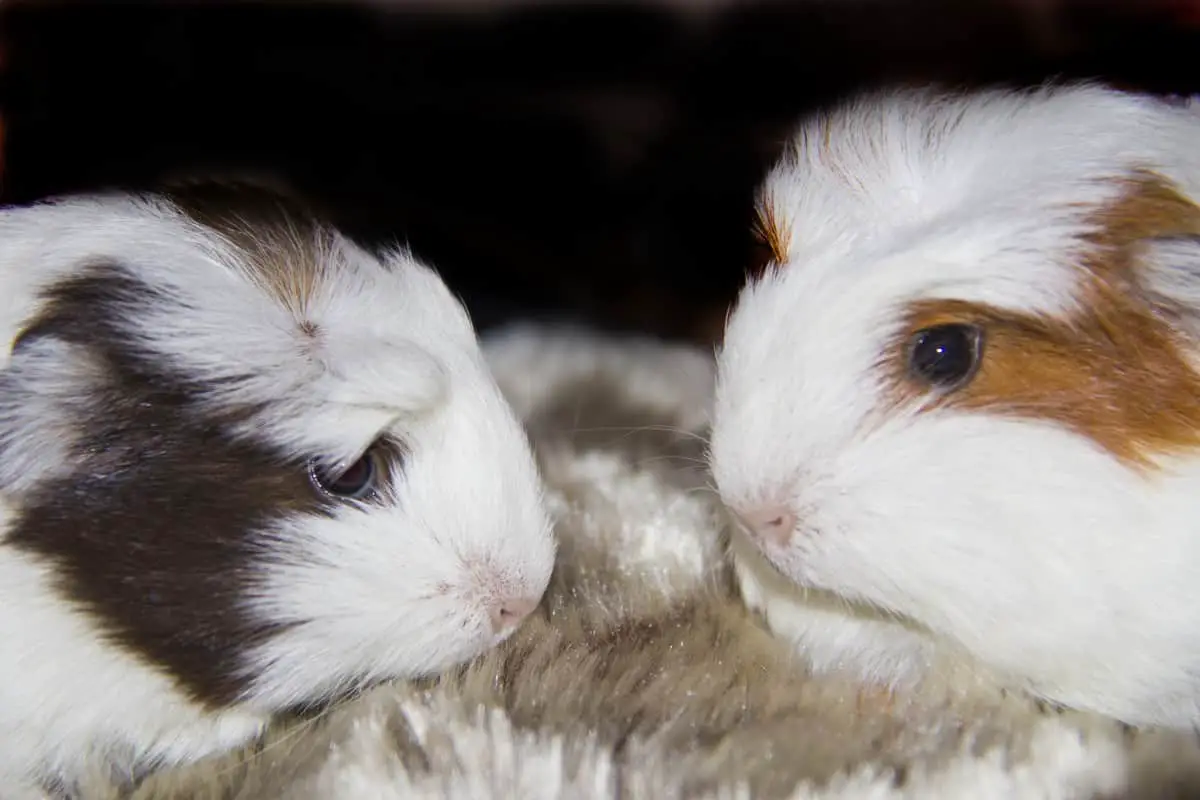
593	162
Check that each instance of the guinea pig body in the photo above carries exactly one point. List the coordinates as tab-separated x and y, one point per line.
960	411
246	466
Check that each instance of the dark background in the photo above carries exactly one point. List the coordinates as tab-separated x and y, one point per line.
592	162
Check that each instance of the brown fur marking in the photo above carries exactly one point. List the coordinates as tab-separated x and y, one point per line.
1115	372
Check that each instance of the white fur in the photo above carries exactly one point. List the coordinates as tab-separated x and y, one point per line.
1016	541
378	593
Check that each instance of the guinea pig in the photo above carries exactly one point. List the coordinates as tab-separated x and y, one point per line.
958	411
247	466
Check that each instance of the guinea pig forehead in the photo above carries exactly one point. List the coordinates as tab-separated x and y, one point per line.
343	317
244	360
994	250
1110	368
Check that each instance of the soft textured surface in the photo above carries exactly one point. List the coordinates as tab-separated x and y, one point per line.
643	676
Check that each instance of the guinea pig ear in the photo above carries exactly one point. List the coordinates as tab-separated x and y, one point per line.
48	390
1168	277
398	377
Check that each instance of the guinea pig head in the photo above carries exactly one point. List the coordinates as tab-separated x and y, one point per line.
965	394
263	460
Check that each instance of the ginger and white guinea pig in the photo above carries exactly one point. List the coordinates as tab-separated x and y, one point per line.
246	466
960	409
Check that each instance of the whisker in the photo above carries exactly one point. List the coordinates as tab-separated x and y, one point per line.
630	430
672	457
708	490
287	737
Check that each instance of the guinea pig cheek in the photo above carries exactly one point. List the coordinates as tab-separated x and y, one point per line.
371	594
988	486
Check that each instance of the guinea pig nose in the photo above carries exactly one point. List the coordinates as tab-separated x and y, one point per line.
772	524
508	612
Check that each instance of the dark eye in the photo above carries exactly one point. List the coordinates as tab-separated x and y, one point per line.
945	356
352	482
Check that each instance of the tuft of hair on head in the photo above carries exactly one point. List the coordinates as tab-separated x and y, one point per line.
285	243
770	237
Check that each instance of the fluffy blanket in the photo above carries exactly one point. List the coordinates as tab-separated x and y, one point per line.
643	676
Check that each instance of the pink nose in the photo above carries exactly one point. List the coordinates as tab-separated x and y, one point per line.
768	524
508	612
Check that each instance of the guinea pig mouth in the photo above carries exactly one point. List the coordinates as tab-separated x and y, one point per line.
855	608
824	599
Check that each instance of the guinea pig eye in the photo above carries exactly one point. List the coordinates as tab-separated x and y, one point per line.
945	356
351	482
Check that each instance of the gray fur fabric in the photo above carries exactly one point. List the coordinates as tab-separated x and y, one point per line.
643	676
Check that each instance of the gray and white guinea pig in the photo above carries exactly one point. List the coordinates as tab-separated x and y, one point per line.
959	411
246	466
